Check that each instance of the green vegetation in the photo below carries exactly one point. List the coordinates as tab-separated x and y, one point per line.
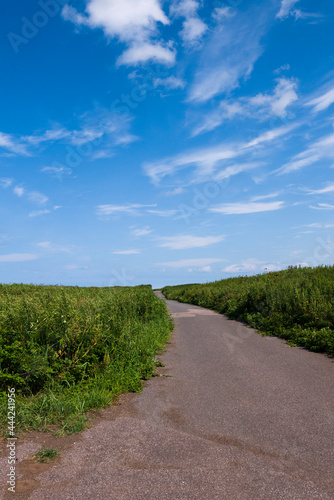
66	350
44	455
296	304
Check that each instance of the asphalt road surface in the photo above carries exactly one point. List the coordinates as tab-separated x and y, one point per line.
233	415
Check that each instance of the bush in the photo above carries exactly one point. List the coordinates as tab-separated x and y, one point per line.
295	304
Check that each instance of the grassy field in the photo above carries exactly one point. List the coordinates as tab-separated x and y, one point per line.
296	304
68	349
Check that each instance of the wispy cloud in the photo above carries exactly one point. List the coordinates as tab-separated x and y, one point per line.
132	251
18	257
189	263
6	182
323	101
37	213
286	8
141	232
251	265
171	82
163	213
55	247
230	55
260	107
182	241
10	143
328	189
322	206
129	209
321	149
265	196
247	207
132	22
206	161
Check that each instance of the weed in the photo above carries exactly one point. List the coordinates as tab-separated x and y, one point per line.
45	455
295	304
67	350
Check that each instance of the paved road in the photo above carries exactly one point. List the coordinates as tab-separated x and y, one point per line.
233	416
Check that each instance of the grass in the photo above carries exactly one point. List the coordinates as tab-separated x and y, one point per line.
296	304
45	455
67	350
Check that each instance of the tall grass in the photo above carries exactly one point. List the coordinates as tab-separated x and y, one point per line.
296	304
70	349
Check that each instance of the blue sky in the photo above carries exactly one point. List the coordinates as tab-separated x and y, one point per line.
169	142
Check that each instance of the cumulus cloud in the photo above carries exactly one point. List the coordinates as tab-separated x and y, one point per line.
193	27
133	22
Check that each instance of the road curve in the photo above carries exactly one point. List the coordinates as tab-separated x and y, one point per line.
233	415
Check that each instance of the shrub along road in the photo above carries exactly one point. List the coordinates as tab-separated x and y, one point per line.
236	416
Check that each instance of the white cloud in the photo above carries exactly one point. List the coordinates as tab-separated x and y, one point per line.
222	12
126	252
230	54
284	67
144	52
48	136
286	8
37	197
193	30
18	257
6	182
205	269
129	209
327	189
193	26
321	149
19	191
189	263
55	248
11	144
207	160
251	265
322	206
322	102
163	213
270	135
133	22
176	191
265	196
182	242
260	107
284	95
247	207
37	213
141	232
171	82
